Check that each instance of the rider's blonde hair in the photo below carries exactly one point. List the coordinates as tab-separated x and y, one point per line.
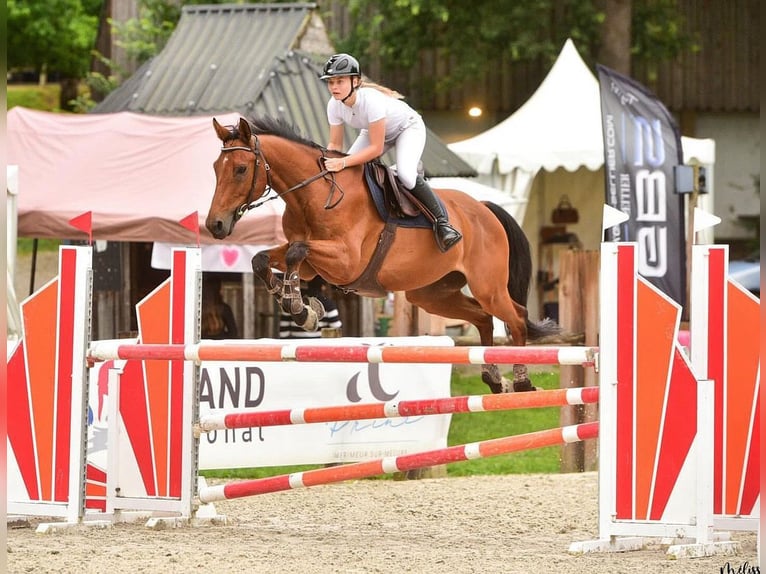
383	89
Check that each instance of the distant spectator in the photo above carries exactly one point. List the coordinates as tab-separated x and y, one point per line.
217	317
319	289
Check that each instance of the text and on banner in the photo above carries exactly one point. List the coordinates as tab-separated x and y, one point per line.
263	386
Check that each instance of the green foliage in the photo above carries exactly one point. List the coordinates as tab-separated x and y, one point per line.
57	35
657	31
45	98
98	83
470	427
25	245
145	36
474	35
469	34
142	38
657	34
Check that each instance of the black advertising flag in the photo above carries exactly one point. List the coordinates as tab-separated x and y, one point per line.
641	147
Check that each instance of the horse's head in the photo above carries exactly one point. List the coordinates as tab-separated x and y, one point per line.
239	181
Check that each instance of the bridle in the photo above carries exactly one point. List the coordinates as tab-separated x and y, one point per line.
255	149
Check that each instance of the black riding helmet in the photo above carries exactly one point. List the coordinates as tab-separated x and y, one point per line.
341	65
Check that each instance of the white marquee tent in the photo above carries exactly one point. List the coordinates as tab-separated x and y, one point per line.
553	146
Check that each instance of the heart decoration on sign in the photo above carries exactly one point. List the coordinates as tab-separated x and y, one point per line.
230	256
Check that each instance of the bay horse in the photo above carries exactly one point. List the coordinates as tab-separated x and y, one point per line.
334	230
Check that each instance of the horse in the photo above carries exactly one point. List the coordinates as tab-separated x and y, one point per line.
334	230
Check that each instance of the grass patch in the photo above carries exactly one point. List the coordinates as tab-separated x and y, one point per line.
473	427
466	428
33	96
25	245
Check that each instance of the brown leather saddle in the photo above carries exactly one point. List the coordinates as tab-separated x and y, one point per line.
398	208
398	200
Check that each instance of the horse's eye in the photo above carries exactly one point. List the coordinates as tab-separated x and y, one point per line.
240	169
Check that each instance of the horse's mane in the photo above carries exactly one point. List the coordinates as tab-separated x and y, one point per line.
281	128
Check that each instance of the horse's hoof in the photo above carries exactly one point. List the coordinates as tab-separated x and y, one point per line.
317	307
495	388
523	386
503	386
312	322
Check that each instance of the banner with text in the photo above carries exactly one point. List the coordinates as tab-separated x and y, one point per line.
641	147
262	386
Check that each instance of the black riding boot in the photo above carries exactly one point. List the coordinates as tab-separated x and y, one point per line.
446	235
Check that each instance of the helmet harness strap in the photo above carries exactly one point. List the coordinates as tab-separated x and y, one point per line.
351	91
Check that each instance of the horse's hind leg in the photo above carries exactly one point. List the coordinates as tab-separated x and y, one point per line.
445	298
500	304
521	381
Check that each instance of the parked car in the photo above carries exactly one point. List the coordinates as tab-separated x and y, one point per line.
747	272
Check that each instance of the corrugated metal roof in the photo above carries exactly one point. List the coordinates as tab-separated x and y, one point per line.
241	58
218	58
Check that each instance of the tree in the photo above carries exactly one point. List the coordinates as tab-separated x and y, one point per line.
615	46
144	37
140	38
473	35
53	36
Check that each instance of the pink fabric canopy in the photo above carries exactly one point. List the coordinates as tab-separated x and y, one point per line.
138	174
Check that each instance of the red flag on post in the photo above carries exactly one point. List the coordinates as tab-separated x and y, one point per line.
191	222
84	223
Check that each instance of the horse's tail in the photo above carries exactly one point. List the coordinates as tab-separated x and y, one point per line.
520	270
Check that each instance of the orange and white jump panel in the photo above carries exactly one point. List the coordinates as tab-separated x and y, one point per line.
656	419
725	322
47	395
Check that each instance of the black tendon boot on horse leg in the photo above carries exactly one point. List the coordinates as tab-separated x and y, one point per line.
446	235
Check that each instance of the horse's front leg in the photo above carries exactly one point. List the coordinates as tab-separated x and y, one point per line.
262	264
305	315
287	292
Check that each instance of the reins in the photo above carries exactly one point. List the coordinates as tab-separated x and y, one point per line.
256	150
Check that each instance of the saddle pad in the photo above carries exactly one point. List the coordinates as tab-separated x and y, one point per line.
380	204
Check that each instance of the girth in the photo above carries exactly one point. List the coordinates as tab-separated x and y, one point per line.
367	283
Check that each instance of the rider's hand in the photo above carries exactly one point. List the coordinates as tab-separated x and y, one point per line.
334	163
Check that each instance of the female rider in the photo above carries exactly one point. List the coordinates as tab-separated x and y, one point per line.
384	121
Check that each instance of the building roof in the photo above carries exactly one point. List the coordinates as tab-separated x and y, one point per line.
247	59
218	59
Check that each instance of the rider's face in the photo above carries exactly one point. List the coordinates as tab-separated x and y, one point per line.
339	86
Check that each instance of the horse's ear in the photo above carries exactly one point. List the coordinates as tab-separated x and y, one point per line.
223	133
244	130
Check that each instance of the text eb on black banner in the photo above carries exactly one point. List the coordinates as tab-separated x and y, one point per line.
641	147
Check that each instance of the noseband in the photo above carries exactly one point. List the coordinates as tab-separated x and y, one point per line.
256	150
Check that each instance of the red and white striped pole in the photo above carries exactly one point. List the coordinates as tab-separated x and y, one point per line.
249	351
465	404
402	463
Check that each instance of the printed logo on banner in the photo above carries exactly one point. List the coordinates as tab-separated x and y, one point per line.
375	385
641	147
